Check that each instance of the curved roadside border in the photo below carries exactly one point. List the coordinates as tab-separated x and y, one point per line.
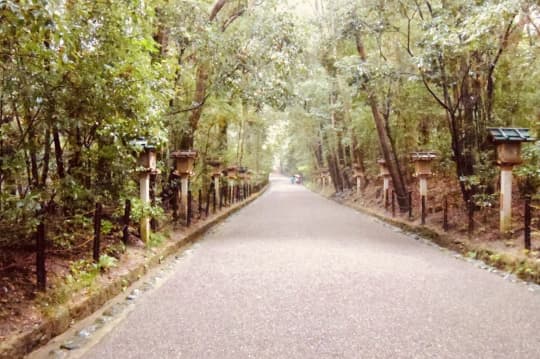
21	344
506	265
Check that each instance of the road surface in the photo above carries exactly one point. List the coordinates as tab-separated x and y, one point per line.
294	275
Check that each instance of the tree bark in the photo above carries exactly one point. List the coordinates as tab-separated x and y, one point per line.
58	154
384	139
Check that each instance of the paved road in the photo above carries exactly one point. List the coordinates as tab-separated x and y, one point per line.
294	275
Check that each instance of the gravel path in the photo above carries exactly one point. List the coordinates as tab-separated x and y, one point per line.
294	275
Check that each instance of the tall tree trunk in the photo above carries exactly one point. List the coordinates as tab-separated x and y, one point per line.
195	116
46	158
384	140
58	154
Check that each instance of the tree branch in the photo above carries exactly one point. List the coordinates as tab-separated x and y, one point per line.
192	108
231	19
437	98
217	8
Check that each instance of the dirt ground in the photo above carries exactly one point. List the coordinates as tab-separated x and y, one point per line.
22	306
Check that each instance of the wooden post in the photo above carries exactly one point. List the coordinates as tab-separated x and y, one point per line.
207	209
445	214
41	271
386	186
176	194
393	203
97	232
214	200
220	198
410	205
217	188
184	187
423	210
422	182
153	221
127	215
527	229
200	204
506	199
188	210
144	179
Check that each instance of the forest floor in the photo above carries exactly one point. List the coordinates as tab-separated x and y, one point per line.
486	243
71	274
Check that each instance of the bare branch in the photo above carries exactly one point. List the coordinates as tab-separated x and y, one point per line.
231	19
217	8
192	108
435	96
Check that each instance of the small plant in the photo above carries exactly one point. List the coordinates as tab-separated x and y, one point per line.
115	250
528	174
495	258
156	239
140	210
106	227
105	263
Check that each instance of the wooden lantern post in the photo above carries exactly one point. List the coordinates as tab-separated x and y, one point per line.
242	176
185	161
325	173
508	141
385	174
232	175
249	175
216	164
359	175
147	165
422	169
318	178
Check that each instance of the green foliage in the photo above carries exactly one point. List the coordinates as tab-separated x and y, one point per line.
140	210
105	263
156	239
528	174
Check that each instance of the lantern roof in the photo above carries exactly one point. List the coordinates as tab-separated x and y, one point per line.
214	162
510	134
143	143
184	154
423	155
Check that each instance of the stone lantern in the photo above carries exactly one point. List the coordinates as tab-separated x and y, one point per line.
146	166
508	141
422	169
385	174
232	176
242	176
325	174
216	165
249	176
359	175
184	161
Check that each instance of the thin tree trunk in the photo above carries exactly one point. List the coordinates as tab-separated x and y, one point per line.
58	154
46	158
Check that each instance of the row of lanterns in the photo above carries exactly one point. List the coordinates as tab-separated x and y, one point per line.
184	165
508	142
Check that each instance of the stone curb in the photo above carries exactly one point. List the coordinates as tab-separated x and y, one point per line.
19	345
